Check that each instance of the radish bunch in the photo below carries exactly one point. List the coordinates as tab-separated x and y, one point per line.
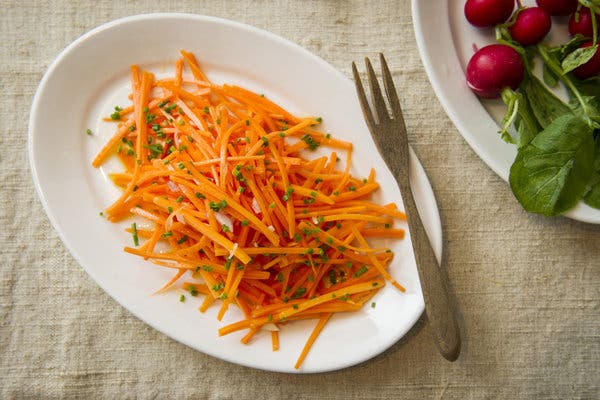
558	158
494	68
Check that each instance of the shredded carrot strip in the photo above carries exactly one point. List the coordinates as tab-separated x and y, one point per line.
275	340
221	177
313	336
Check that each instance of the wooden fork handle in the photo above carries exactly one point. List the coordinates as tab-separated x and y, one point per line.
438	305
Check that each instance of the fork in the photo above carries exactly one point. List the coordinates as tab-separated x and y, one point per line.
389	134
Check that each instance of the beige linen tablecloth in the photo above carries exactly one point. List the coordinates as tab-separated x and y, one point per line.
528	287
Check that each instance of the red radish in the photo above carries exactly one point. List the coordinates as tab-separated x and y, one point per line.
484	13
531	25
494	68
558	7
581	22
590	68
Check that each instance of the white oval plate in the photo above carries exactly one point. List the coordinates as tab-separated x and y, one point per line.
445	40
91	76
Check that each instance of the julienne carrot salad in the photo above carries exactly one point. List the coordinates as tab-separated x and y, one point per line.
219	173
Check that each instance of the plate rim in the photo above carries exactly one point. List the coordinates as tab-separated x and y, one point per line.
35	105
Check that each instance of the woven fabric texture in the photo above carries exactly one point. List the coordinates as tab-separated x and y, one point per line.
528	287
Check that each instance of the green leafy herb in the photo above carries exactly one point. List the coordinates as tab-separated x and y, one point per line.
592	197
546	106
551	173
578	57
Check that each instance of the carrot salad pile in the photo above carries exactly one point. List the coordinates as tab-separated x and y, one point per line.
220	174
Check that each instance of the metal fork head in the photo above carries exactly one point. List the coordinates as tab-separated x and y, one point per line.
388	131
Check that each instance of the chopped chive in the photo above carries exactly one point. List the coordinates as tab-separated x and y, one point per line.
361	271
183	239
287	194
310	141
299	293
332	278
181	298
134	233
167	234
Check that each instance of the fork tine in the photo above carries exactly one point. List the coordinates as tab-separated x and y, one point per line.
362	98
390	89
378	100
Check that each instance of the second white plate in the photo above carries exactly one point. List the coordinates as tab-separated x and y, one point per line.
445	40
